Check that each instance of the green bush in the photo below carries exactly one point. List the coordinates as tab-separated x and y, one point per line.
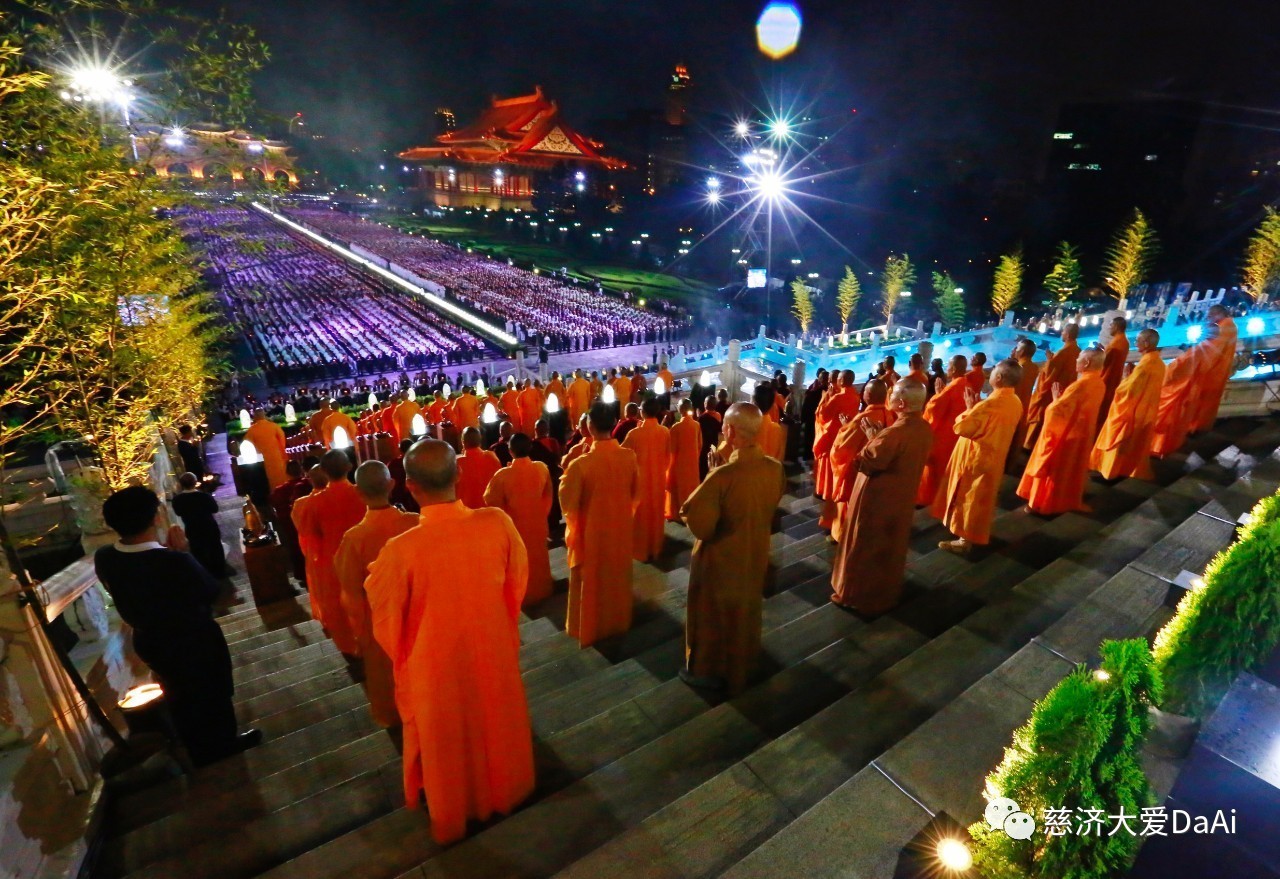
1081	749
1264	511
1229	625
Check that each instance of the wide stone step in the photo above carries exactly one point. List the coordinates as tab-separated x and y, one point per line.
276	715
269	644
385	847
322	654
293	684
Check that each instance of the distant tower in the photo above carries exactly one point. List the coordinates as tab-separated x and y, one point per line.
678	96
445	122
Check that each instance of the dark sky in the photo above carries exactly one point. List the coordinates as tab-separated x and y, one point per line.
987	72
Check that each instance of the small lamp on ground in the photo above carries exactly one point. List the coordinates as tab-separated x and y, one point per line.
245	420
373	399
418	427
446	390
290	414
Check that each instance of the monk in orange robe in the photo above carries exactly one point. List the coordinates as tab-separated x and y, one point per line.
317	418
437	409
580	394
771	438
356	551
406	409
651	443
1055	476
1124	444
531	401
597	388
849	443
300	517
452	633
941	413
682	471
867	572
1114	358
840	399
466	409
579	448
967	502
268	438
668	380
976	377
476	466
387	421
522	490
916	372
556	386
599	493
1059	370
621	389
1024	353
509	403
320	528
337	418
1218	363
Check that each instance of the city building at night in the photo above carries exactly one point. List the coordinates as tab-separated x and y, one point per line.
215	156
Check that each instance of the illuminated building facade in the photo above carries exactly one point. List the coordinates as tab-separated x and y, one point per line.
215	157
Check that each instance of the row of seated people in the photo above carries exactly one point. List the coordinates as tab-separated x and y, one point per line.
532	304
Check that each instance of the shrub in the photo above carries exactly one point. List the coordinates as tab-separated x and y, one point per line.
1081	749
1228	625
1264	511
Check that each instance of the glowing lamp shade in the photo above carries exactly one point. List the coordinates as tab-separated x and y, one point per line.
446	390
511	381
412	395
290	414
1043	327
244	419
553	404
480	391
954	855
143	694
490	414
1194	333
778	30
373	399
749	386
1102	675
705	379
419	425
340	438
249	453
608	396
1255	326
659	386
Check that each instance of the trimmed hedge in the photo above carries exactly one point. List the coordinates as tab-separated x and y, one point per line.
1081	749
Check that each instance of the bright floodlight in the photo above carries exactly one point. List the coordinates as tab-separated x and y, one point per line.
373	399
553	404
249	453
608	395
659	386
480	392
1194	333
245	421
341	440
780	128
1255	326
770	185
954	855
742	128
446	391
412	395
418	427
290	414
713	183
490	414
778	30
705	379
175	138
98	83
713	196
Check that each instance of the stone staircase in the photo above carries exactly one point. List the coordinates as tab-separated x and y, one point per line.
852	733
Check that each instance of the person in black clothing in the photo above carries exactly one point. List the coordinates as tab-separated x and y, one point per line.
189	451
199	512
167	597
710	422
809	412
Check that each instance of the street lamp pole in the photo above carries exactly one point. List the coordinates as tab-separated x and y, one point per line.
768	267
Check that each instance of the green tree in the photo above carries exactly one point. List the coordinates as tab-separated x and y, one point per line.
848	292
801	304
1006	289
1066	278
1261	271
898	275
949	301
1131	255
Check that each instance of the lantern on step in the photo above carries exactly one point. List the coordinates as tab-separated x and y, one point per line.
373	399
446	390
248	453
143	710
290	414
553	404
412	395
340	438
480	391
749	387
418	427
244	419
608	396
490	414
705	379
659	386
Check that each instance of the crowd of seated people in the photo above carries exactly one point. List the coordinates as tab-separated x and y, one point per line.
535	307
306	314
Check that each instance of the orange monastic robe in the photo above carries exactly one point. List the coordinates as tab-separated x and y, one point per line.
268	439
599	493
849	443
387	422
510	404
475	468
652	444
436	412
772	438
976	378
357	550
1026	384
333	422
404	418
555	386
579	393
466	411
967	502
918	376
941	412
452	634
668	380
1219	359
1124	445
1114	359
622	390
522	490
1055	476
530	409
1060	369
682	471
843	401
321	525
315	421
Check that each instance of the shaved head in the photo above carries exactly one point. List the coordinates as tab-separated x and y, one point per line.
911	396
846	378
979	359
633	411
1148	340
335	464
916	362
1090	360
1007	374
686	406
1025	348
1070	332
959	365
744	420
431	466
374	482
875	393
470	438
1217	312
317	477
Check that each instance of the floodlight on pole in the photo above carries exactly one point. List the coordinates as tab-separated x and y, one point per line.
780	128
742	128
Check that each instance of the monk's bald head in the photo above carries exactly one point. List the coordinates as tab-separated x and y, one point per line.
374	482
1026	349
1217	313
742	422
979	359
335	464
317	477
602	419
846	378
916	362
1090	360
431	467
909	397
959	366
686	406
521	446
633	410
875	393
506	430
1007	374
652	408
763	396
1070	332
1148	340
471	438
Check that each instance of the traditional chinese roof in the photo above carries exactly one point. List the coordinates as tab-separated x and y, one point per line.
527	130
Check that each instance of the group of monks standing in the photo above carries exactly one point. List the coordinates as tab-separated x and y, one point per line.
921	441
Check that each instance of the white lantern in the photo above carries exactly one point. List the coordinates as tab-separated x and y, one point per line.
749	386
553	404
705	379
244	419
446	390
480	391
412	395
511	381
659	386
290	414
249	453
608	396
340	438
418	427
373	399
490	414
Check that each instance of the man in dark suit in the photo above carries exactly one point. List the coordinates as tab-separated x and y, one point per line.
166	596
189	451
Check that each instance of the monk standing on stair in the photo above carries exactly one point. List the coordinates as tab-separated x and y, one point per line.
849	444
941	413
1055	476
452	633
1059	370
358	549
1124	445
839	400
686	448
522	490
327	517
651	443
